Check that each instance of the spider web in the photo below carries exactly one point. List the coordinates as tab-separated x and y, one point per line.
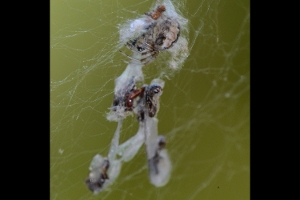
204	109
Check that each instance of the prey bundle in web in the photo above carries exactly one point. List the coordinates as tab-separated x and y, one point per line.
162	29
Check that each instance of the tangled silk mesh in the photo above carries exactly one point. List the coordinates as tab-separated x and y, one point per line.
203	110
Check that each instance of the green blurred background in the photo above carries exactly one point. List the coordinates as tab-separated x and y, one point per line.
204	109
